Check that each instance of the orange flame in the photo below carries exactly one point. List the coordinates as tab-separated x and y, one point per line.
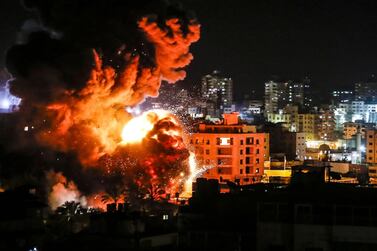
90	121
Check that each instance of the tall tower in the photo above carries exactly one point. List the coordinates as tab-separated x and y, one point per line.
218	91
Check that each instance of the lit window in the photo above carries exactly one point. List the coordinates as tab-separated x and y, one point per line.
224	141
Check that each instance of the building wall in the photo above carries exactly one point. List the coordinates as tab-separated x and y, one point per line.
306	124
371	146
325	125
279	118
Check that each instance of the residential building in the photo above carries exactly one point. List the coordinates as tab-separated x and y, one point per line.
342	96
350	129
366	91
278	94
217	90
306	124
234	152
325	124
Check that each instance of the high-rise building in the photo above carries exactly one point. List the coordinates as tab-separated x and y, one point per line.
306	124
217	90
367	91
233	152
275	96
342	96
278	94
325	124
298	93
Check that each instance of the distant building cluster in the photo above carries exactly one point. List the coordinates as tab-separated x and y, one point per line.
290	122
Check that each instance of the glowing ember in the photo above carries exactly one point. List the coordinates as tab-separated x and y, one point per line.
195	172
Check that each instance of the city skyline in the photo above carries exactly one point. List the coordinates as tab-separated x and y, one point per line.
139	125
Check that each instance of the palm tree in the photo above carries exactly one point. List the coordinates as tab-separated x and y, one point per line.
114	194
155	192
69	209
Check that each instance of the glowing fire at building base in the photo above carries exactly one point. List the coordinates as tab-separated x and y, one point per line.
164	131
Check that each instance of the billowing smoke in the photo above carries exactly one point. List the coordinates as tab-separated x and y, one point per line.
90	60
62	190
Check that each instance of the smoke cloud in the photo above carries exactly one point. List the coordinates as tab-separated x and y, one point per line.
89	61
93	59
62	190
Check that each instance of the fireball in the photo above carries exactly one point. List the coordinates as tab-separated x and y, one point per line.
138	128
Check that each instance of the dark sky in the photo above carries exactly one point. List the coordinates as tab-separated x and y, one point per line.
332	42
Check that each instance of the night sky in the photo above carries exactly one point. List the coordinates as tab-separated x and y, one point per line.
332	42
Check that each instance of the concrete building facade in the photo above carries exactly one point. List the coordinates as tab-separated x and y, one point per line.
232	152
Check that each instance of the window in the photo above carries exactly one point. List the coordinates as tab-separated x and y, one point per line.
247	150
241	142
224	151
257	151
257	142
208	142
257	170
247	160
225	141
241	151
241	161
207	151
247	170
224	161
257	160
241	171
249	141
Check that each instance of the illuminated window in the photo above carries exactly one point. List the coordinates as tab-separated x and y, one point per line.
224	141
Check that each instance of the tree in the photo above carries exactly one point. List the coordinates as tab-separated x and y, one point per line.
155	192
115	189
70	208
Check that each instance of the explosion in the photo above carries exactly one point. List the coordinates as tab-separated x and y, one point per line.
76	77
162	153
